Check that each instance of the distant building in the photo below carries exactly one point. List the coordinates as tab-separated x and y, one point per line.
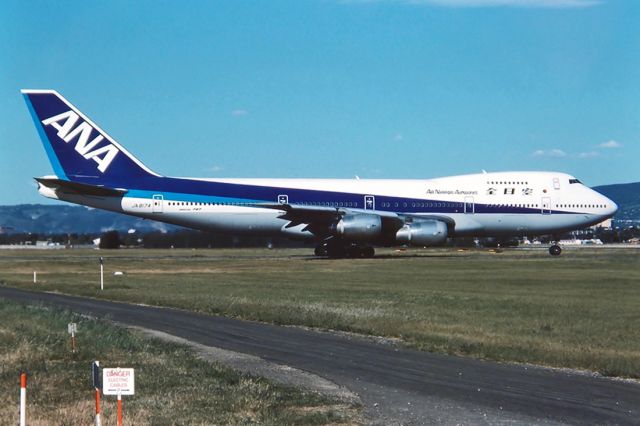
607	224
577	242
46	244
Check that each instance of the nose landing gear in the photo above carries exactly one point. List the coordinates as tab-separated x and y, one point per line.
555	250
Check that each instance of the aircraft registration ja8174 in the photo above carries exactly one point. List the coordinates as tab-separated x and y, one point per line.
346	217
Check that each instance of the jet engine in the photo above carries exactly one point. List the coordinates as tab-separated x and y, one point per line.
423	233
359	227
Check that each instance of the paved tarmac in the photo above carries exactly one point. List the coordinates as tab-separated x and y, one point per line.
396	386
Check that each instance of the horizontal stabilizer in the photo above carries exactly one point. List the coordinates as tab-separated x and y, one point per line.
81	188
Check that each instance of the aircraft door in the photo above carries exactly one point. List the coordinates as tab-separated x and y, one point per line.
469	206
546	205
158	203
369	202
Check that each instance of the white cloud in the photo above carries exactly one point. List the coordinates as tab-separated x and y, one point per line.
589	154
556	4
398	137
239	112
610	144
215	169
557	153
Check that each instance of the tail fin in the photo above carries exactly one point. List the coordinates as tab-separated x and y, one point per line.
77	148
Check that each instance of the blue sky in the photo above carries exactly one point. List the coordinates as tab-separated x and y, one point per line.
332	88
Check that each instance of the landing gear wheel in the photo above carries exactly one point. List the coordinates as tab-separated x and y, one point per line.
368	252
339	251
354	251
320	250
336	251
555	250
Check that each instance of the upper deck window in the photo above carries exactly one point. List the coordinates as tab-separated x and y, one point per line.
574	181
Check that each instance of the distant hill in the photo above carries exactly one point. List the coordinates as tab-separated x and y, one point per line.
626	196
61	219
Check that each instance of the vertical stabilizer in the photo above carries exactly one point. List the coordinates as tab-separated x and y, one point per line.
77	148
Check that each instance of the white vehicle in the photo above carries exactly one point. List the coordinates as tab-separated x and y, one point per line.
346	217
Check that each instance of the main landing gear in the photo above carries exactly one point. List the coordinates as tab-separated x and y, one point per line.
341	250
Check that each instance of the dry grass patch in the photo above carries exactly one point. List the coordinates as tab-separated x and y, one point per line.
173	386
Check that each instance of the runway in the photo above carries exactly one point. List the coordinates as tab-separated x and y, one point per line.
395	385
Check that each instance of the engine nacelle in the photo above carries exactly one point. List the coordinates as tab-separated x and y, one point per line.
423	233
359	227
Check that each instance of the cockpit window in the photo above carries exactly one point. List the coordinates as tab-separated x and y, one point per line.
574	181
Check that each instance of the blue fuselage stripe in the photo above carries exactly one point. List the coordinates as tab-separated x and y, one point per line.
187	190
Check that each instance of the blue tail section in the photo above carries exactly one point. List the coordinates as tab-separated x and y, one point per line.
77	148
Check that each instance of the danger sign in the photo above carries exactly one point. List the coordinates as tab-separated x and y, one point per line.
118	381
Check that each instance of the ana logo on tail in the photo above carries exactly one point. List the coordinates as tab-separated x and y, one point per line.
65	124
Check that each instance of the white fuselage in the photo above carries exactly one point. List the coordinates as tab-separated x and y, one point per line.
487	204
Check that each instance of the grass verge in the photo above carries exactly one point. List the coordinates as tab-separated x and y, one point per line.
173	386
579	310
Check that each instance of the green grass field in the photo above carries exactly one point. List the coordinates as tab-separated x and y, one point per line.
580	310
172	385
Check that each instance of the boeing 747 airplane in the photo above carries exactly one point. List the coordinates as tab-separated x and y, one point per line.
346	217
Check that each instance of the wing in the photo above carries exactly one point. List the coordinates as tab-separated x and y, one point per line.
319	219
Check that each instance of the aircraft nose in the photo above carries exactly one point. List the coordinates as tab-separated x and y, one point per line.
611	207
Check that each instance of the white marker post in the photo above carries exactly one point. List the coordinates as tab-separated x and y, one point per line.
23	399
35	277
118	381
101	273
72	328
95	375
